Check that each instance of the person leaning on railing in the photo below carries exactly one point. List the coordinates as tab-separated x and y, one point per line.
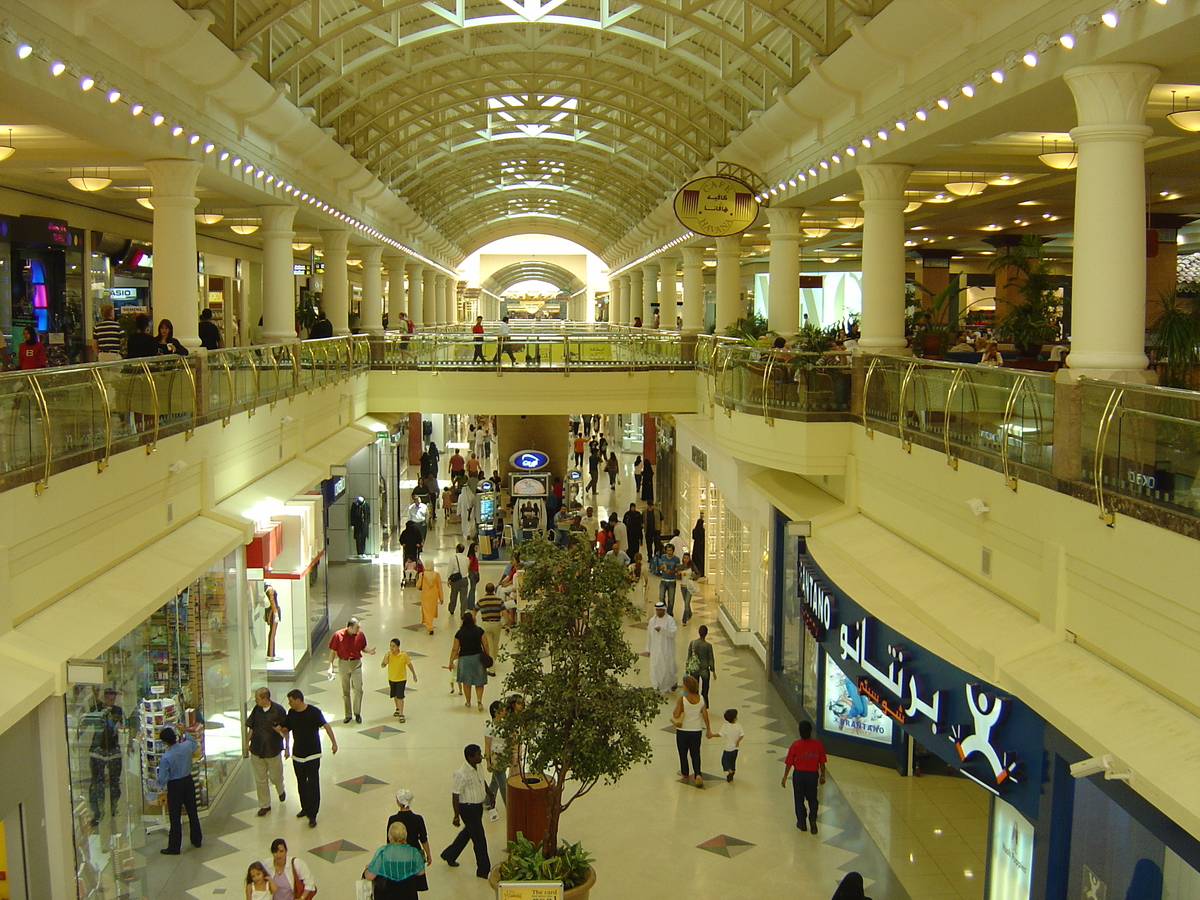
141	343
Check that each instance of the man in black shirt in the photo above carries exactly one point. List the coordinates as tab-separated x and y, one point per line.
210	334
302	729
265	744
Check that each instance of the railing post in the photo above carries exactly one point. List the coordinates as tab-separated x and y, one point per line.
1067	459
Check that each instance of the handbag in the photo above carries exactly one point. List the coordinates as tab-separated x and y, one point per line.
486	660
364	890
298	886
455	576
692	666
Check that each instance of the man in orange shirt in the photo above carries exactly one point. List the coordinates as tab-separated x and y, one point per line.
579	445
807	757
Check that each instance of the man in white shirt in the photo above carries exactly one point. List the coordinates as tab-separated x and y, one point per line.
504	340
460	565
469	794
660	644
590	525
418	512
620	532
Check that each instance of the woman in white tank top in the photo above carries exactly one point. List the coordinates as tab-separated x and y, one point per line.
691	723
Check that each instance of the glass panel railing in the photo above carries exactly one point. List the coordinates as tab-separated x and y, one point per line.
783	383
55	418
559	350
1141	442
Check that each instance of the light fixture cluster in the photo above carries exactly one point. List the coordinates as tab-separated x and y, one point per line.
1109	16
58	66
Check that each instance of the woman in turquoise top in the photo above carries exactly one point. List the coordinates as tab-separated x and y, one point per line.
394	867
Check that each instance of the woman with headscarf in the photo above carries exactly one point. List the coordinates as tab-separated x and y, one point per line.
429	583
418	837
395	866
851	888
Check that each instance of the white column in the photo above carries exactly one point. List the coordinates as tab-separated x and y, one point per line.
783	293
883	256
278	282
649	292
626	290
430	305
372	290
397	302
1108	322
335	299
416	294
693	288
614	298
637	295
668	293
176	278
450	288
729	281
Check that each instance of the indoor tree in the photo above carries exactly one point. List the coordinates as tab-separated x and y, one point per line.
582	722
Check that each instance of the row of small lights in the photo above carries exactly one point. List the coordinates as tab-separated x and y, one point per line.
25	50
1031	57
669	245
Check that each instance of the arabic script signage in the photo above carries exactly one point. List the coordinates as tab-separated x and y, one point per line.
991	738
717	206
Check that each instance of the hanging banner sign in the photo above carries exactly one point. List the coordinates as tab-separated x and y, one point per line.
993	739
716	206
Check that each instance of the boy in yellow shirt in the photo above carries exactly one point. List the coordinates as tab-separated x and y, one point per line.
396	661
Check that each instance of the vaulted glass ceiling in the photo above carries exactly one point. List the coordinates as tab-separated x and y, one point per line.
578	115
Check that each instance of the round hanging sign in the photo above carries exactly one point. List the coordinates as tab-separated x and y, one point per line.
716	206
529	460
484	487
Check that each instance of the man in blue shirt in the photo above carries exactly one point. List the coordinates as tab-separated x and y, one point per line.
669	573
175	777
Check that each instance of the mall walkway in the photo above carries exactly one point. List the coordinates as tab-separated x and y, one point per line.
652	836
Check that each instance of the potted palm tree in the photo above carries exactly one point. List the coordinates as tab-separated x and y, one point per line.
1176	339
582	723
937	315
1034	320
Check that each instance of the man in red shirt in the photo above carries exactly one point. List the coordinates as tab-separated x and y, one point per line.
458	467
477	330
347	647
807	757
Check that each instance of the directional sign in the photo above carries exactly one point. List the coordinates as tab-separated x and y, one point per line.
529	460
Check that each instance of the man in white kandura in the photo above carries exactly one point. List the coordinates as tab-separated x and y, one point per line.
660	644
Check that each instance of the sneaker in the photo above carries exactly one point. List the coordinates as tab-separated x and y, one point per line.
264	810
494	816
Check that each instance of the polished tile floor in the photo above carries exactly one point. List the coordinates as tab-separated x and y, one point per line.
652	836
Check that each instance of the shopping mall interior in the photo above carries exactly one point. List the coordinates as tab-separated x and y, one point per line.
390	232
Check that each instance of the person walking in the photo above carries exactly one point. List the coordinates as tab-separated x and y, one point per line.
593	470
31	353
687	584
301	730
732	734
650	527
698	546
637	475
398	666
851	888
647	481
175	779
691	722
491	617
418	514
504	341
700	662
289	875
496	756
477	340
418	837
612	468
577	447
107	335
472	575
468	795
105	754
429	583
264	746
460	570
470	644
394	869
807	757
668	571
206	328
346	647
633	528
660	644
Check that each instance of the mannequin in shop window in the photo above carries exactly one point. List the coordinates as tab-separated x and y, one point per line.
271	616
360	522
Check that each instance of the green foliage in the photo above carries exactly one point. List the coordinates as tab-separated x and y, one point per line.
582	723
307	310
814	339
526	862
1034	320
750	330
940	312
1176	338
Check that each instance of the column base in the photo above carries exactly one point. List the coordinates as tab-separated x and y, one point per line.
283	337
1067	375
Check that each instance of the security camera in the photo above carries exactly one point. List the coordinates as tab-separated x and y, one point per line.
176	467
286	420
978	506
1092	766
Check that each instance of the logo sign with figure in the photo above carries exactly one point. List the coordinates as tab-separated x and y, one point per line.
716	206
484	487
529	460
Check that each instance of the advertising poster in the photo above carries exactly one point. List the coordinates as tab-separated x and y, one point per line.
848	713
1010	869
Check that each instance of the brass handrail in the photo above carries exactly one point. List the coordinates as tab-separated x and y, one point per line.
951	459
1111	408
232	391
720	378
98	381
191	376
254	369
275	366
48	444
154	397
767	381
905	443
867	429
1009	479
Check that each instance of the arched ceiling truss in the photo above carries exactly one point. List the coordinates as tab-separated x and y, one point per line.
531	270
623	99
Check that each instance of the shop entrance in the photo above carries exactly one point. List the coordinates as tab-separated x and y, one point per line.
13	885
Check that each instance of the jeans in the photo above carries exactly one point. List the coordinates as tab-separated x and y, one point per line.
181	795
499	784
104	772
308	785
688	744
472	830
687	603
804	788
478	350
473	580
666	591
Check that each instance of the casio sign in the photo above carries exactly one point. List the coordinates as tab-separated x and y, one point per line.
529	460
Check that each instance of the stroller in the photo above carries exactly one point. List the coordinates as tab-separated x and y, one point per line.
412	568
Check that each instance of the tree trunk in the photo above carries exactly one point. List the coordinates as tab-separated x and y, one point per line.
553	812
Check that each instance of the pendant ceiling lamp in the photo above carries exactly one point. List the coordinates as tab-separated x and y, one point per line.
209	218
1186	119
7	150
967	186
1058	159
244	226
89	183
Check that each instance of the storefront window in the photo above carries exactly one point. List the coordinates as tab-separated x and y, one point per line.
177	668
736	566
762	595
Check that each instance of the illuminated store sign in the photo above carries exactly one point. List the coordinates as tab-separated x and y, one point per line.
994	740
528	460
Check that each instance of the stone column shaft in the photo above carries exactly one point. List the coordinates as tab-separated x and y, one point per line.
626	290
883	256
783	293
335	299
668	293
729	281
278	282
416	294
430	312
693	288
649	292
637	295
176	277
372	290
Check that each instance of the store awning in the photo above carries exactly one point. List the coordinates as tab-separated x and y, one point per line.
88	621
794	496
335	450
279	485
374	425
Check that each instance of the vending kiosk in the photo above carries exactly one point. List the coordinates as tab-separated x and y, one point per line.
529	491
488	526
